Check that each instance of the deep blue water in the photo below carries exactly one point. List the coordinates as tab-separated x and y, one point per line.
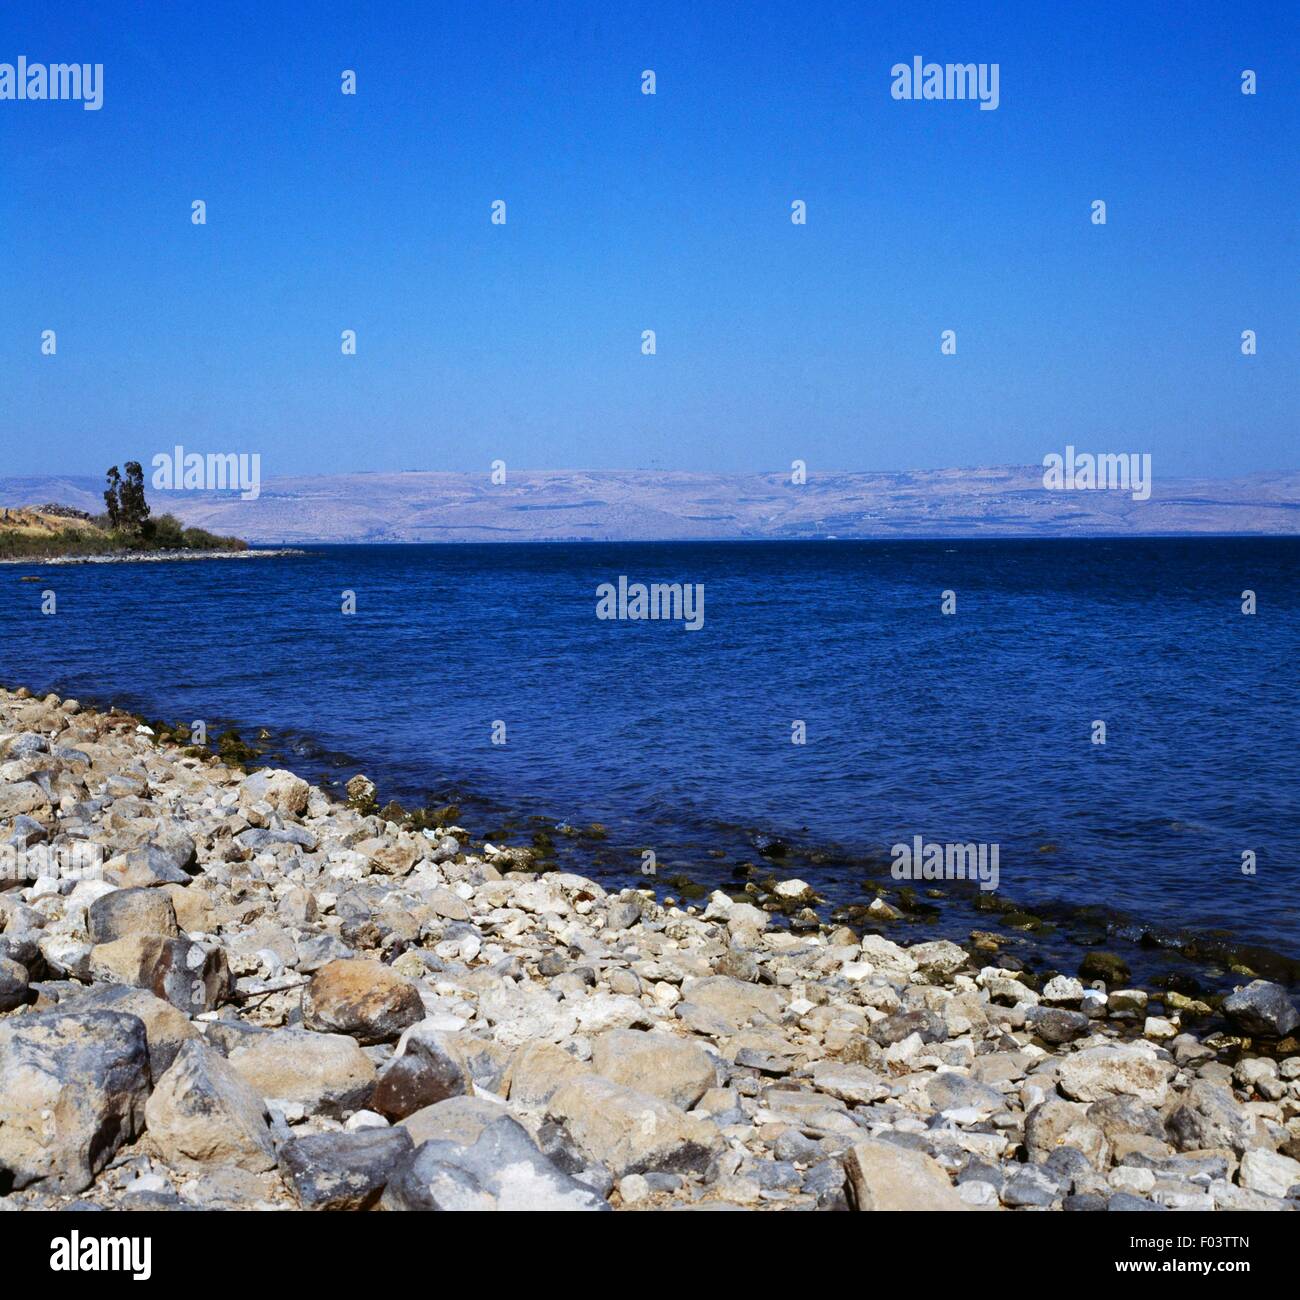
973	727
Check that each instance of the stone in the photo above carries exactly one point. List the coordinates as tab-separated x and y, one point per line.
501	1170
538	1071
284	791
852	1083
1261	1009
73	1087
425	1072
328	1074
1269	1173
884	1176
131	912
733	1002
344	1171
364	999
458	1119
664	1065
951	1090
14	986
1056	1025
1128	1071
203	1111
1207	1116
165	1026
633	1132
1055	1124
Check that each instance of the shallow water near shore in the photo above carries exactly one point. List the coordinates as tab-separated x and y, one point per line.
974	727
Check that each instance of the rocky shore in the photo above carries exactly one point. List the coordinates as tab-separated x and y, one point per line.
222	989
156	557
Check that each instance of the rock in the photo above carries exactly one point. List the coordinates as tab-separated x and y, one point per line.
191	976
1056	1025
1061	989
951	1090
1269	1173
458	1119
73	1087
344	1171
1261	1009
1105	966
21	797
166	1027
1207	1116
13	984
938	959
328	1074
1054	1124
424	1073
364	999
884	1176
852	1083
1128	1071
131	912
502	1170
538	1071
734	1002
285	792
671	1068
203	1111
632	1132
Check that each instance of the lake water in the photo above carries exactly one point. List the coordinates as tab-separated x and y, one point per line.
975	727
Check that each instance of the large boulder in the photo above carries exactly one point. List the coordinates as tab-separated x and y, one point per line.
1131	1070
501	1170
1261	1009
364	999
343	1171
671	1068
328	1074
73	1087
632	1132
202	1110
165	1026
1208	1117
131	911
883	1176
284	791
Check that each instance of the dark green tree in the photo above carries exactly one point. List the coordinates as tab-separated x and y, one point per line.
133	507
112	498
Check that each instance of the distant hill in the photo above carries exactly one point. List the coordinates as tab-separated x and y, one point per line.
615	505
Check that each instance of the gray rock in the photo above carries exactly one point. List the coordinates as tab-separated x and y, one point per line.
202	1111
1261	1009
13	984
73	1087
1208	1116
344	1171
1057	1025
131	911
502	1170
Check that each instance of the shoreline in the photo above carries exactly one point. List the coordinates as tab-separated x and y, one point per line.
312	992
158	557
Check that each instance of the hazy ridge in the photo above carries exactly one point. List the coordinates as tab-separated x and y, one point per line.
644	505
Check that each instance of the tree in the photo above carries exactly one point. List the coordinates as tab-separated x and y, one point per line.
112	498
131	503
127	508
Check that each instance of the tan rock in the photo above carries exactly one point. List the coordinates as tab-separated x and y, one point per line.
883	1176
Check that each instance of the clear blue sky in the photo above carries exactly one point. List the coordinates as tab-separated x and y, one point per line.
628	212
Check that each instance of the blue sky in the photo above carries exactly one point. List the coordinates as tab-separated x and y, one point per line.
628	212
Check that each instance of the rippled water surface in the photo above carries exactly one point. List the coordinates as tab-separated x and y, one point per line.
973	727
